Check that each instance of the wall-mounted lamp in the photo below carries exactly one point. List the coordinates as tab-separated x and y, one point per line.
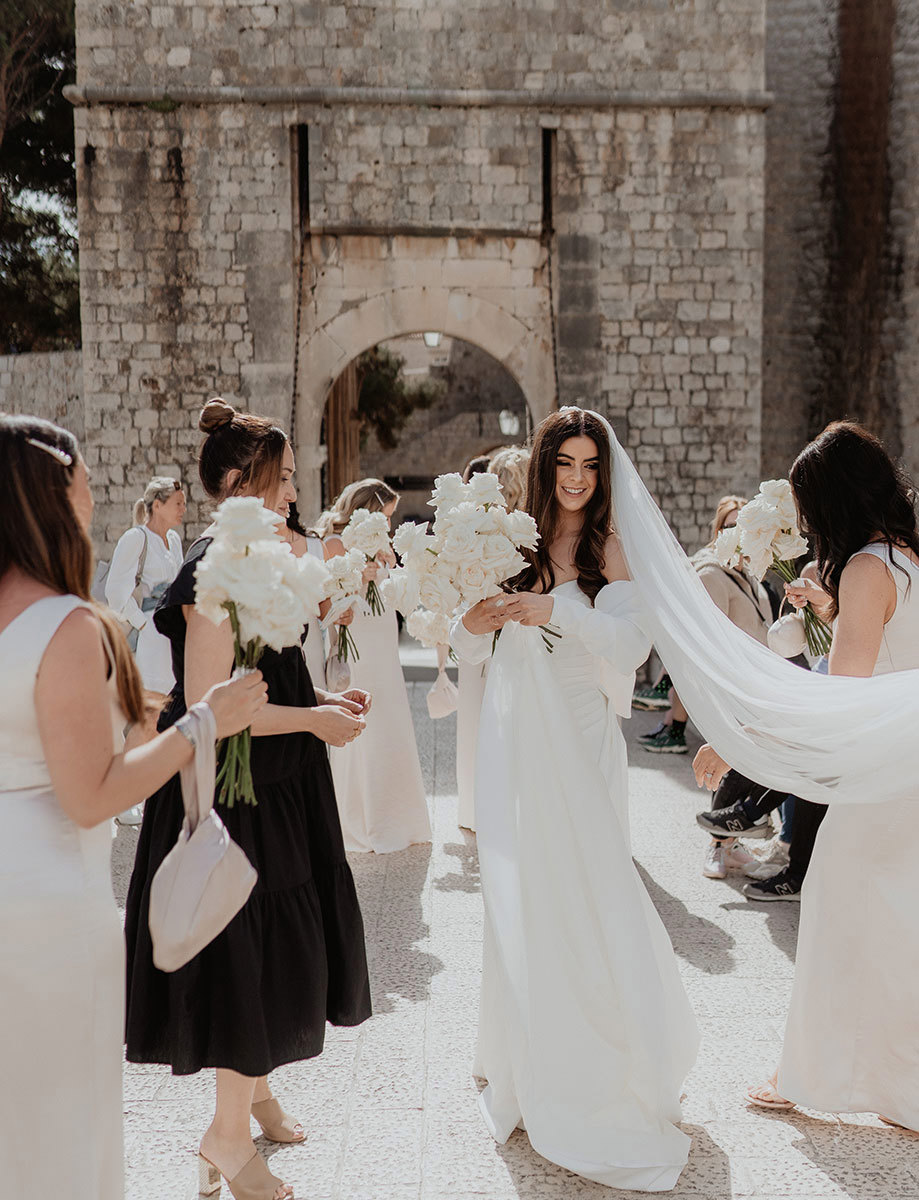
432	340
508	422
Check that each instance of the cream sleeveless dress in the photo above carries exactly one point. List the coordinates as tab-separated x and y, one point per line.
378	781
850	1041
314	646
61	956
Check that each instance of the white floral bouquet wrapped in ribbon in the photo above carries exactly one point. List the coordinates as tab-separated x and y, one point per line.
474	548
368	533
343	588
250	577
766	537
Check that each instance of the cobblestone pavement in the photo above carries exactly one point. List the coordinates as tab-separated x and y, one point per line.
390	1107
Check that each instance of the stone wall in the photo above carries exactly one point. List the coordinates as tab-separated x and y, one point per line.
186	285
542	46
44	385
800	73
841	292
267	189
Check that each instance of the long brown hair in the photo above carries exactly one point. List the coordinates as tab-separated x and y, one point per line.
239	441
540	503
849	492
40	533
372	494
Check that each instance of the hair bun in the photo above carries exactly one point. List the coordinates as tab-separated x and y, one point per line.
215	414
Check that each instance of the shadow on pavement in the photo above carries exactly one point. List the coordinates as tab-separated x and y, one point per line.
466	854
698	940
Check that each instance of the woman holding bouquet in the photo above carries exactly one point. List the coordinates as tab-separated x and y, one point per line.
585	1032
378	783
70	685
293	958
849	1041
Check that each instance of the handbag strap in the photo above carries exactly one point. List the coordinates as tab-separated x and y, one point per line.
142	560
198	776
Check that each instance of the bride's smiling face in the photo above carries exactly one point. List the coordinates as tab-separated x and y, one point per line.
576	466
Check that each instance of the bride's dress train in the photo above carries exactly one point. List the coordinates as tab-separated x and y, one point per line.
585	1031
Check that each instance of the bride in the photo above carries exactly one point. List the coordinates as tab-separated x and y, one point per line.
585	1032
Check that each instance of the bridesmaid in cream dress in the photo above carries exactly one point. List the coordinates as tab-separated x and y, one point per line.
378	781
510	466
69	684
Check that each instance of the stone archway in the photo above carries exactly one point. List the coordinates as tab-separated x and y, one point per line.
328	349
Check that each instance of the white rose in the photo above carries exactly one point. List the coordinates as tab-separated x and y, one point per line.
495	553
400	590
775	491
758	518
241	520
463	513
521	529
245	577
429	628
438	594
369	533
484	488
460	543
758	558
448	490
727	546
307	578
789	546
411	539
473	584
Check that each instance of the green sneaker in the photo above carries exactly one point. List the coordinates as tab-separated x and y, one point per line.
665	741
654	698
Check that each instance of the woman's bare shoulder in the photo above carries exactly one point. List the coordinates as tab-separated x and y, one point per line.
614	564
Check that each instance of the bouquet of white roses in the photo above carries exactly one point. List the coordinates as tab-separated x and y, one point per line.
250	576
474	547
369	533
767	536
343	588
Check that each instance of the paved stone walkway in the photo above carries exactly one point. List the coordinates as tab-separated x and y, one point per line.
391	1107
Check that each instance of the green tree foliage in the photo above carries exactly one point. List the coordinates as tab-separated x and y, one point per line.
386	400
39	288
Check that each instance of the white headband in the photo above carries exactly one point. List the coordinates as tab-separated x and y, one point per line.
65	459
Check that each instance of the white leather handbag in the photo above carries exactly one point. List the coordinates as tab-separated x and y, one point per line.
205	879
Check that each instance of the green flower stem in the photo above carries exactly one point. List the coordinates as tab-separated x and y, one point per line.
234	779
374	599
347	646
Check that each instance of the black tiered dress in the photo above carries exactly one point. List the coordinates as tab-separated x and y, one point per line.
293	958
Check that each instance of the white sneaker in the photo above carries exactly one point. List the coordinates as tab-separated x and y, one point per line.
771	863
713	867
131	816
736	858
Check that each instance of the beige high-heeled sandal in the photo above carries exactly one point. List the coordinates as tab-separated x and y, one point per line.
276	1124
253	1182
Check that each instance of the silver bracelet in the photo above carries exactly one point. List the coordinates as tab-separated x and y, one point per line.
183	725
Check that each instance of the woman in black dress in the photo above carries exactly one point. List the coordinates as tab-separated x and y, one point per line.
293	958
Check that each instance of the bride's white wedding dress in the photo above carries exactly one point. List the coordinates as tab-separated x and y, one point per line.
585	1031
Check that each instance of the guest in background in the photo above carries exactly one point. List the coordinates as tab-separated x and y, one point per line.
378	782
149	555
510	465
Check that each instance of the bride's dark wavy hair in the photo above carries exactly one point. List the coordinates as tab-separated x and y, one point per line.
540	503
850	492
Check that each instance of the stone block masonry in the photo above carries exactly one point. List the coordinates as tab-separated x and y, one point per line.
266	190
44	385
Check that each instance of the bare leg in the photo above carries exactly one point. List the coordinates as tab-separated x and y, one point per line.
677	711
228	1141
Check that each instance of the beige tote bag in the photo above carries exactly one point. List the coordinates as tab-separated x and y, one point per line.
205	879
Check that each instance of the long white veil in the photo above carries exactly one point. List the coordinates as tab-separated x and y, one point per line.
828	739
